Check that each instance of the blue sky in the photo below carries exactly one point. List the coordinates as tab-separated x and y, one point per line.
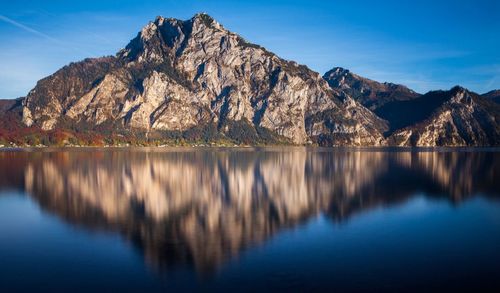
425	45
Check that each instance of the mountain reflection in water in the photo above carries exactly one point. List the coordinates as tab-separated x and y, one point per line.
200	208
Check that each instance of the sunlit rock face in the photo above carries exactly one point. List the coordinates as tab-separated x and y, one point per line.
178	74
201	208
456	117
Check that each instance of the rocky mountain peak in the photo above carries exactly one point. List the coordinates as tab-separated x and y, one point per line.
370	93
205	20
459	89
337	71
454	117
176	75
193	79
165	38
338	77
460	95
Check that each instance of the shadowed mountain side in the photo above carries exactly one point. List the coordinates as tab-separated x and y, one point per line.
456	117
8	105
202	208
401	114
369	93
493	95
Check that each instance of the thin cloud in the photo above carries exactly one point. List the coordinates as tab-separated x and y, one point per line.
28	29
102	38
493	82
41	34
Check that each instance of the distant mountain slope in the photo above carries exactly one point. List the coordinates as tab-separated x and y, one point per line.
456	117
493	95
368	92
8	104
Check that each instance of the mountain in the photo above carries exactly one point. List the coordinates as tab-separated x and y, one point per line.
456	117
7	105
10	121
198	79
368	92
193	81
493	95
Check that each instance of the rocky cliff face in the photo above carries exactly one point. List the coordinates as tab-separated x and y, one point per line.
176	75
456	117
368	92
196	80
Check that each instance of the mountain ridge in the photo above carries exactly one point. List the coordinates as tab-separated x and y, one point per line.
455	117
494	95
370	93
193	80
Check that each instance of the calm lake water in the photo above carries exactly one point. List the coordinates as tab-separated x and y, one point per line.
286	219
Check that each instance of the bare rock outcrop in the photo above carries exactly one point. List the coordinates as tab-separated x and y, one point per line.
178	74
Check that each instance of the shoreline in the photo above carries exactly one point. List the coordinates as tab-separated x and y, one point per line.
258	148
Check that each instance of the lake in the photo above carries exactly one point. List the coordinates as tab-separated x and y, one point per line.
250	219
